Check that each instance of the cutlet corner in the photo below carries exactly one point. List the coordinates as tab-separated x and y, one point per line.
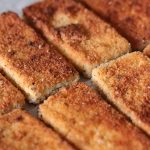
146	51
10	97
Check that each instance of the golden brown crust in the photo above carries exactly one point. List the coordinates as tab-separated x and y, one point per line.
20	131
147	50
77	32
10	96
130	17
86	120
36	67
126	82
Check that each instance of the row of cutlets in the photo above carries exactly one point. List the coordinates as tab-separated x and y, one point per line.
79	116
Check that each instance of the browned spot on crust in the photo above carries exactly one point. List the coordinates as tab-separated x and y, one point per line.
73	33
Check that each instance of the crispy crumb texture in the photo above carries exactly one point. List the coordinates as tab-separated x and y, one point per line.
36	67
10	97
130	17
79	34
84	118
147	50
20	131
126	83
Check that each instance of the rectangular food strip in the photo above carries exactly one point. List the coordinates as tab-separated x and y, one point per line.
36	67
20	131
147	50
126	83
10	97
130	17
85	119
80	35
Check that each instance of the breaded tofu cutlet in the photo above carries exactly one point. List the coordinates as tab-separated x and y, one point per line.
147	50
36	67
10	96
84	118
126	83
130	17
20	131
81	36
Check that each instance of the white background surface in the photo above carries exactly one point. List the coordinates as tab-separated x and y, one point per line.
14	5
